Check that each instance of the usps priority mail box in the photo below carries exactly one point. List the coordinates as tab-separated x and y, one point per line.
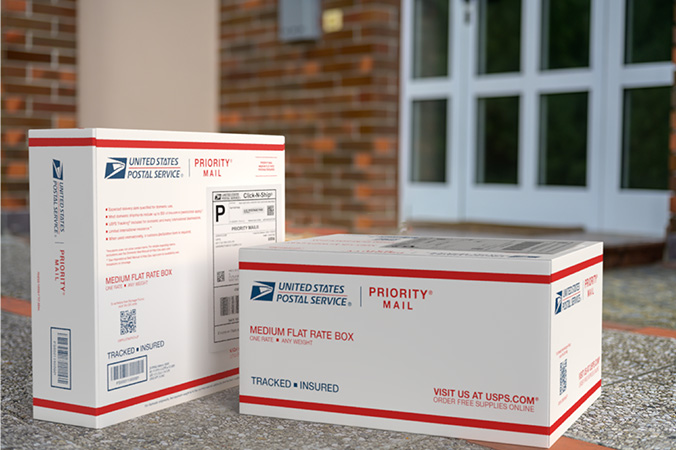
496	340
134	241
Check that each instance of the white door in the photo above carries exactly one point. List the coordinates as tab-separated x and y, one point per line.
520	111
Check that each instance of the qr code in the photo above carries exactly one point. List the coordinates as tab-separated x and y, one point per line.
128	321
271	210
220	276
563	376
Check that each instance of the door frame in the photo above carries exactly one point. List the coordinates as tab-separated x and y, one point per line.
599	206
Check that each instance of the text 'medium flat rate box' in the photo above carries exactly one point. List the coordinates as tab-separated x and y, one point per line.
488	339
134	250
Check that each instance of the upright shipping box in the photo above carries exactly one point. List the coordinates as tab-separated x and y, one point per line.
134	241
496	340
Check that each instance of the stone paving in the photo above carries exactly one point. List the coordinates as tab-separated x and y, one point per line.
643	296
637	409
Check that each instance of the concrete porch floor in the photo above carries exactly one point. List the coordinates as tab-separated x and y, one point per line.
637	409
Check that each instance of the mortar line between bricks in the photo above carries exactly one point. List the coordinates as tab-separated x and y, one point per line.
635	377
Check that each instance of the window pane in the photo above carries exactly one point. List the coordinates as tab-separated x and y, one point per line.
645	147
565	34
428	143
499	36
430	38
648	30
563	139
498	140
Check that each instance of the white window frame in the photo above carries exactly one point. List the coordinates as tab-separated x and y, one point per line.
601	205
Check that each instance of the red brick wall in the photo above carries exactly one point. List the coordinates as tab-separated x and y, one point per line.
335	99
38	83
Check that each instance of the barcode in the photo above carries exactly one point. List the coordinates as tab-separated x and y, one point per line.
62	359
229	305
563	376
523	245
220	276
271	210
127	370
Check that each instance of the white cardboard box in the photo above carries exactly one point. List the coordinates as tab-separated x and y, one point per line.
496	340
134	241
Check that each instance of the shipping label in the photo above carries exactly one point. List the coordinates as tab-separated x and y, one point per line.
237	218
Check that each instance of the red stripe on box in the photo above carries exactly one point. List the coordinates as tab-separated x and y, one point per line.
402	273
421	273
418	417
69	407
577	268
187	145
575	407
92	411
398	415
127	143
62	142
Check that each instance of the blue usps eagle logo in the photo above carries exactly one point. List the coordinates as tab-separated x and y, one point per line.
57	169
558	302
263	291
116	168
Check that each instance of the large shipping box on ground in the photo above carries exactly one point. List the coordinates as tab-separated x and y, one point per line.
496	340
134	241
